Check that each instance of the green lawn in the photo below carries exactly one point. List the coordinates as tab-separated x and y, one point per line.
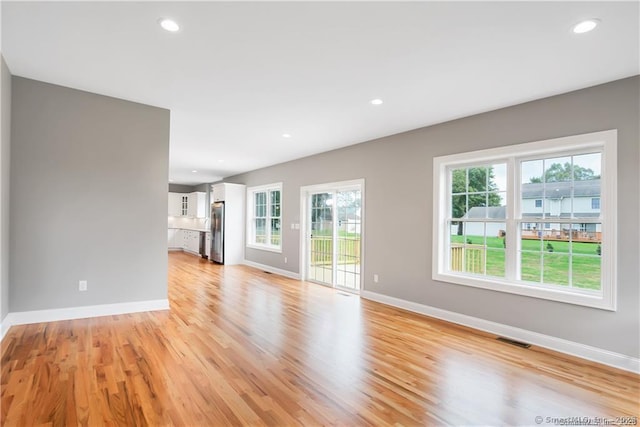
542	266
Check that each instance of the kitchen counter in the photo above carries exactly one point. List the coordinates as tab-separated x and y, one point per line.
206	230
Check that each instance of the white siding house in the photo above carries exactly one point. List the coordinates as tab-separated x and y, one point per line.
542	202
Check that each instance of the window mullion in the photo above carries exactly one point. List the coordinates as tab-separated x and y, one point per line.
512	265
268	221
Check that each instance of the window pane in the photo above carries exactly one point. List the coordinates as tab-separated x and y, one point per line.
456	241
275	204
496	244
567	187
586	198
261	230
565	254
557	169
479	249
275	232
275	196
477	179
531	266
458	181
498	177
531	248
477	206
474	247
586	272
260	208
458	206
587	167
532	190
555	268
479	192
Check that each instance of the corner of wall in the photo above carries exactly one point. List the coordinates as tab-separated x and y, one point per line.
5	154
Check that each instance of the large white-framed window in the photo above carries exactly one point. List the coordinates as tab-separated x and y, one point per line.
264	222
520	219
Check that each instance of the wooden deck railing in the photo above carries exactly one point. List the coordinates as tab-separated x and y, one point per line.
471	255
563	235
322	250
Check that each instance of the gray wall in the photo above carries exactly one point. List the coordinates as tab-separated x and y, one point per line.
88	198
398	174
5	153
180	188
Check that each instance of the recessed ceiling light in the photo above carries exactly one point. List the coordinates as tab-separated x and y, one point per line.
286	135
585	26
220	161
194	171
169	25
376	101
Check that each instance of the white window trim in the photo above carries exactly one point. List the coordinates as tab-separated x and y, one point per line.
605	141
250	217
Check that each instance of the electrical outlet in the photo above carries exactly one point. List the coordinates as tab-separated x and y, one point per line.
285	260
82	285
375	278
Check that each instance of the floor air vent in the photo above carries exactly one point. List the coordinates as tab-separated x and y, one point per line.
267	272
513	342
343	294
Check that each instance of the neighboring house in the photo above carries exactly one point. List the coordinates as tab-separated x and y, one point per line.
554	199
478	228
550	200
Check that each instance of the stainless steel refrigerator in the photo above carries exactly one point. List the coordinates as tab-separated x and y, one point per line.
217	232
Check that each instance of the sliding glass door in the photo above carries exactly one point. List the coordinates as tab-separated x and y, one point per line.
334	235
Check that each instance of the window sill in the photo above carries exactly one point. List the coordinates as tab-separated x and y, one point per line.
265	248
587	299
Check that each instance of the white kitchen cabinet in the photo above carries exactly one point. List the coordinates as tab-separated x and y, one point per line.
174	239
188	205
175	204
191	241
186	237
218	192
197	205
194	242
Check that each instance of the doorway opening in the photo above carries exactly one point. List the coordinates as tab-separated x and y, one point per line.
332	237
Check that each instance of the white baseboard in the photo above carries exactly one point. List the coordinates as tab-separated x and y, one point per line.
53	315
274	270
583	351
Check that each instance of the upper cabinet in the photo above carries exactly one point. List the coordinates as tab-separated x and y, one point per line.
217	192
175	204
188	205
196	207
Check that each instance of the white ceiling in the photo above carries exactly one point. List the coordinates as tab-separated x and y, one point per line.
239	75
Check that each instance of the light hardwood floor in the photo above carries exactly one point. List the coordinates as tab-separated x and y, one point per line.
243	347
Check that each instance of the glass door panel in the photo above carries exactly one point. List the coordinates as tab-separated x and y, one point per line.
348	239
321	243
335	232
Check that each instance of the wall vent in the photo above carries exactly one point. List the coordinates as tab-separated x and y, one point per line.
513	342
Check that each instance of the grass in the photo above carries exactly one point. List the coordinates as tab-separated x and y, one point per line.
539	265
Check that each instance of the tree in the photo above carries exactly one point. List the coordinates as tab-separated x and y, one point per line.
481	180
558	173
